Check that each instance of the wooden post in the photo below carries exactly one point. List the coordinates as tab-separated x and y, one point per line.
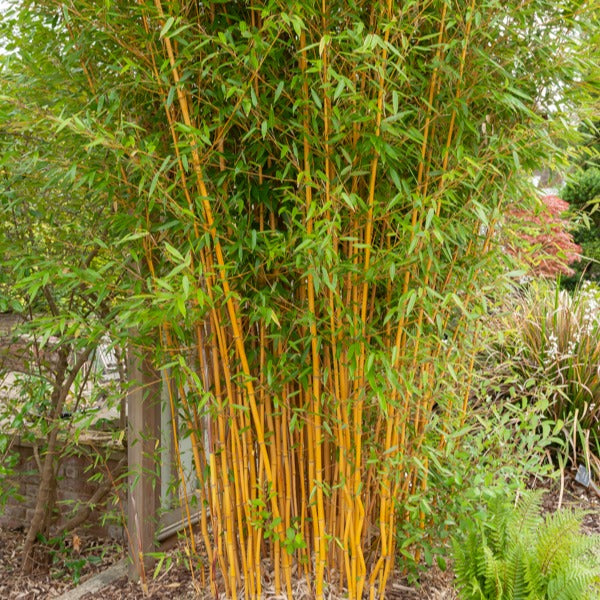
143	438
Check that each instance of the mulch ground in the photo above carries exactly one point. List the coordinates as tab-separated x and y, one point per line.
174	581
65	569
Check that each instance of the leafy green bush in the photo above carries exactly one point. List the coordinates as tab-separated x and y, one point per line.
511	552
468	460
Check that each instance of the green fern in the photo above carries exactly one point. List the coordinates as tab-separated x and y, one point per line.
526	519
516	582
516	554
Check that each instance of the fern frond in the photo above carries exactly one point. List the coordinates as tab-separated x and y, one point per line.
575	582
536	584
557	540
518	555
469	562
496	526
526	518
494	574
515	574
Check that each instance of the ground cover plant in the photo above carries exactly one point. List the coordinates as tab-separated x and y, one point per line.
309	196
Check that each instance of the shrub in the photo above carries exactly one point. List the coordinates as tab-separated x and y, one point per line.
543	240
511	552
466	461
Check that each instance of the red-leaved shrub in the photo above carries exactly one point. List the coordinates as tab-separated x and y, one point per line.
543	240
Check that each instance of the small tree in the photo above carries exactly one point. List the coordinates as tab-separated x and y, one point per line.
58	270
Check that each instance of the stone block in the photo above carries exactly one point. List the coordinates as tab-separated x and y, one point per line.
12	515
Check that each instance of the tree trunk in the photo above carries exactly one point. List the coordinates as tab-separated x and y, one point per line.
46	496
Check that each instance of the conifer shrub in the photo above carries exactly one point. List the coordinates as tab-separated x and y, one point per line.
583	192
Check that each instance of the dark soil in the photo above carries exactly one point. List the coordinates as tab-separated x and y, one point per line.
174	579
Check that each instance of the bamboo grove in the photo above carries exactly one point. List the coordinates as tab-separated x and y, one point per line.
311	193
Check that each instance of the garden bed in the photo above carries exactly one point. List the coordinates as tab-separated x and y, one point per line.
175	581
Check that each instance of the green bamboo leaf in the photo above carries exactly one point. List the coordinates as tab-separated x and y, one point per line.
278	91
165	29
174	253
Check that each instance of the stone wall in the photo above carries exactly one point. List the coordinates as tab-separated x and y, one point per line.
74	488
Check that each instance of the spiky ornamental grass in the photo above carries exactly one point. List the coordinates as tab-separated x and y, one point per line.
514	553
555	342
310	193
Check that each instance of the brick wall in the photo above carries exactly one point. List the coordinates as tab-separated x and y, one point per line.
74	488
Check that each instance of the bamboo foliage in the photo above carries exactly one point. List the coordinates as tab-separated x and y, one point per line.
315	187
